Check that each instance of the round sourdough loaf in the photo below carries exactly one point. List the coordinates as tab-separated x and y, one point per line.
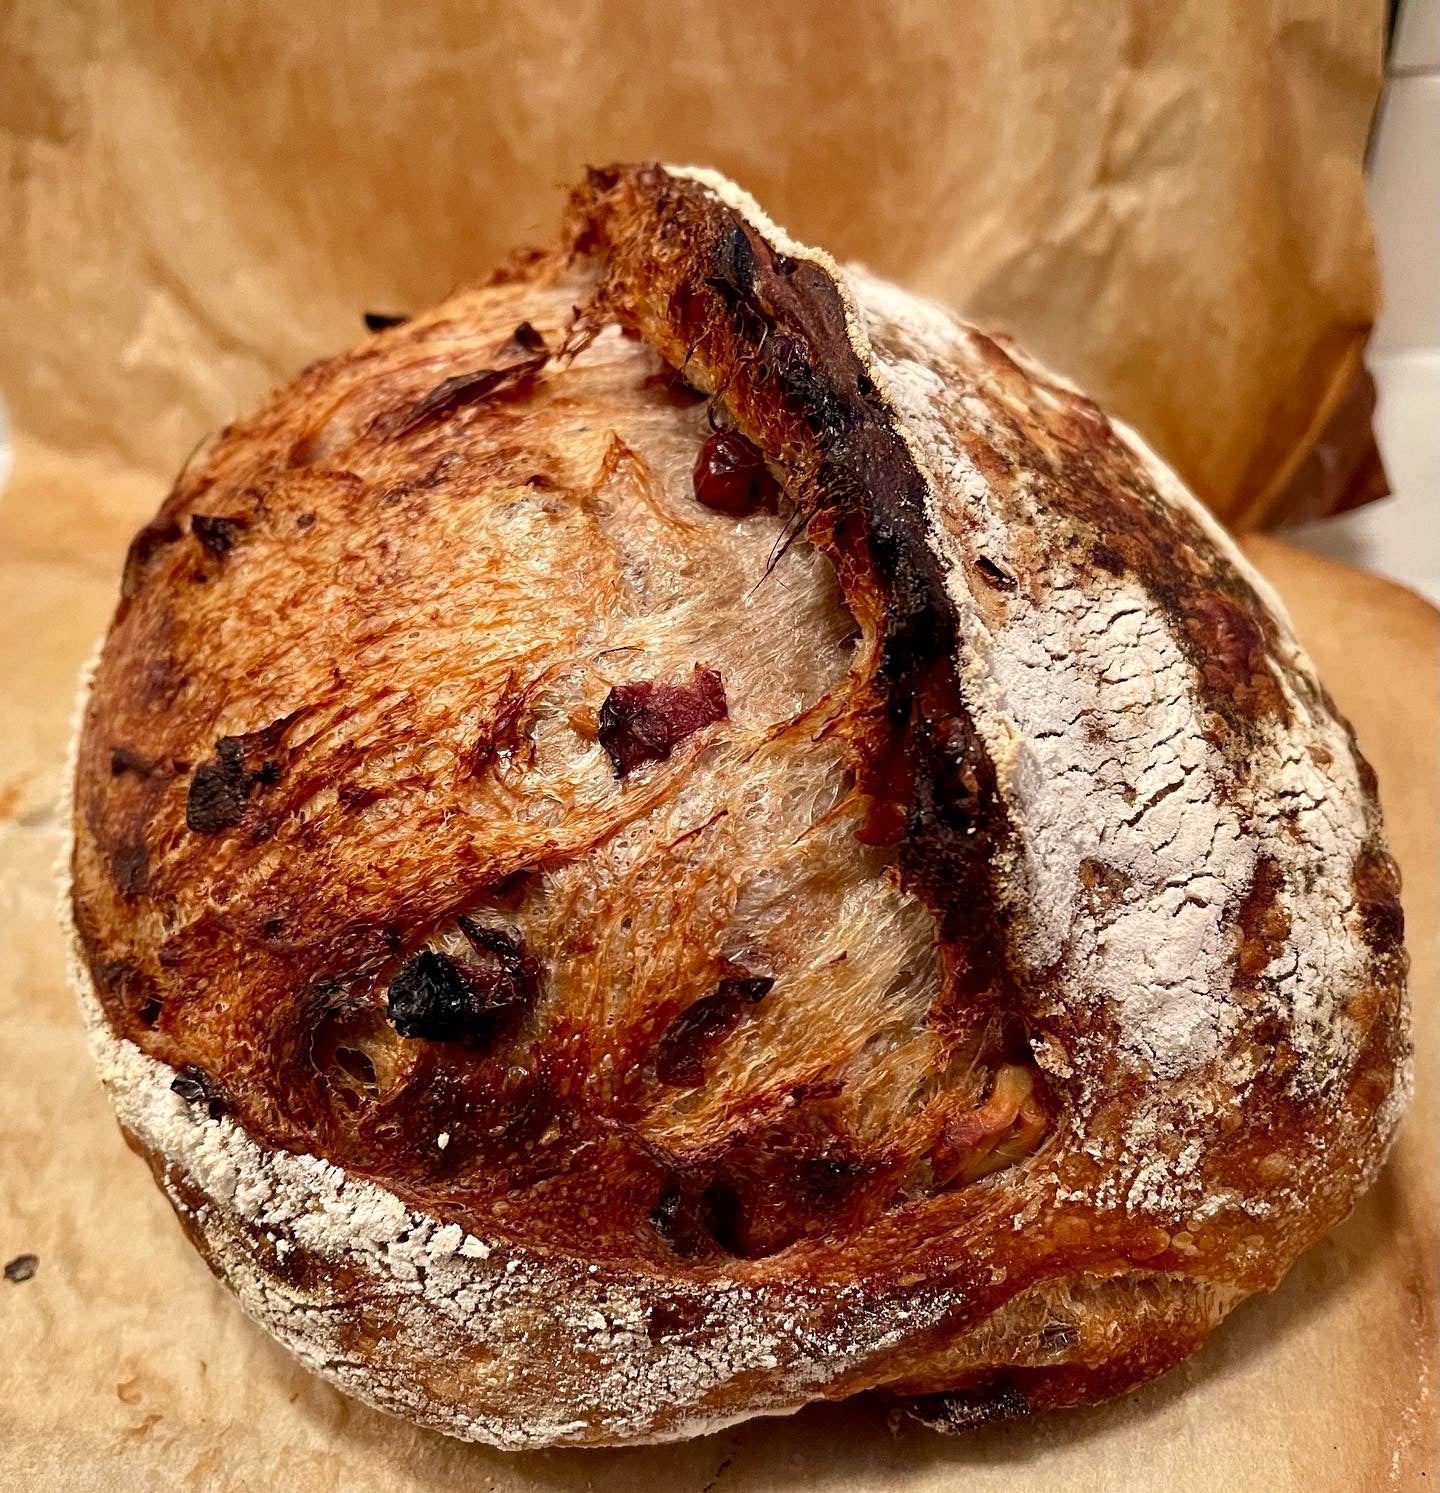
686	833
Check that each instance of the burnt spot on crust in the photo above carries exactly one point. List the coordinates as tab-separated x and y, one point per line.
680	1052
217	533
464	389
528	339
1229	647
1376	884
956	819
440	998
646	720
129	868
731	476
154	537
219	789
382	321
733	267
222	784
1262	923
195	1086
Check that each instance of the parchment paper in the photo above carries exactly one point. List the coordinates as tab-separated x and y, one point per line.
1164	200
124	1366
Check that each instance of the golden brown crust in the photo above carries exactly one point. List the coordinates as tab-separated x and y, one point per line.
460	802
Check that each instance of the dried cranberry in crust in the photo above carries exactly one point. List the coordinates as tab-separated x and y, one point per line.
516	978
645	721
680	1051
731	476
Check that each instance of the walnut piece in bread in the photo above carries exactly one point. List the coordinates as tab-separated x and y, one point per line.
687	833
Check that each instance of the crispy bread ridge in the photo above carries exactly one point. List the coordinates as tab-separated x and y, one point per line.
1145	838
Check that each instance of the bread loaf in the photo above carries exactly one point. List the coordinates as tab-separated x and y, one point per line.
686	833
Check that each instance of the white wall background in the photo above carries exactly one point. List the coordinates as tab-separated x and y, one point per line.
1400	537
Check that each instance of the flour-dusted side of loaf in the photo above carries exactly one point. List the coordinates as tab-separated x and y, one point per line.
686	833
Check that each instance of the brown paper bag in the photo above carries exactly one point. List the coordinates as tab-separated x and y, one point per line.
1163	198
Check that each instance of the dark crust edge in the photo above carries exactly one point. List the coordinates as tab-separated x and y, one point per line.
779	325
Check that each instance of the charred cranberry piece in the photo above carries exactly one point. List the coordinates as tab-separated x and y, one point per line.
680	1218
218	533
645	721
195	1086
216	800
679	1054
441	999
433	997
695	1220
731	476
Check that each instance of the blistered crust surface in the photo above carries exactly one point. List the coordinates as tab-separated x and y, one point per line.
1080	989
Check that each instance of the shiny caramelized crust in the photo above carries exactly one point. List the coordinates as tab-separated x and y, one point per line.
686	833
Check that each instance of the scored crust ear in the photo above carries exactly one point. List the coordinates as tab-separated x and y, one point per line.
1094	752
